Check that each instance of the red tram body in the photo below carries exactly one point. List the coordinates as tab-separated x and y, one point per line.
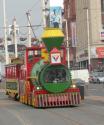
42	78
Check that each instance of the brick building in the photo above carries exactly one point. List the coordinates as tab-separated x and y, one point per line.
75	11
70	16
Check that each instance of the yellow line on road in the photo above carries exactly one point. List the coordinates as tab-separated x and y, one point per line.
17	115
96	98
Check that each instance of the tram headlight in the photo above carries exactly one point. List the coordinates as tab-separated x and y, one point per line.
38	88
73	86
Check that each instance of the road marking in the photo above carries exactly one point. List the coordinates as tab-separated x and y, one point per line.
96	98
92	89
2	90
4	103
18	117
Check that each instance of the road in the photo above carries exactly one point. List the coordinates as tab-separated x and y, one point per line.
89	112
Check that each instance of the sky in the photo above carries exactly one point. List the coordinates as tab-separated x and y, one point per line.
18	9
56	3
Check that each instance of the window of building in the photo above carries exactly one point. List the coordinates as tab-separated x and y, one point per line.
102	6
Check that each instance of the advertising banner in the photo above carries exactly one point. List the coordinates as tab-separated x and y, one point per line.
73	34
102	35
56	17
100	52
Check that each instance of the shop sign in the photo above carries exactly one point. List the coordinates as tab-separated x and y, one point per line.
102	35
83	55
100	52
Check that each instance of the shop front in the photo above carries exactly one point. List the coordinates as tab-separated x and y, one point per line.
96	58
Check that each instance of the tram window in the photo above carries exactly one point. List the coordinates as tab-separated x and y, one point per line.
37	53
12	85
56	76
30	55
34	54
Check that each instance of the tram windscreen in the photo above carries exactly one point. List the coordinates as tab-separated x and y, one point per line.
56	76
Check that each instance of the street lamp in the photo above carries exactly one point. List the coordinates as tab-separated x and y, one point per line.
44	13
29	28
5	35
15	37
88	38
67	41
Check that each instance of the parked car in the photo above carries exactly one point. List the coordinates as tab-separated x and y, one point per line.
79	82
96	77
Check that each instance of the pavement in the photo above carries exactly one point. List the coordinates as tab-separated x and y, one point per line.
2	90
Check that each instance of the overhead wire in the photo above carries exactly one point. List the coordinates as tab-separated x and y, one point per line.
37	26
34	5
40	24
30	24
30	9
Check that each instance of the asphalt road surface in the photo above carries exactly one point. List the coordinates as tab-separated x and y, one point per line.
89	112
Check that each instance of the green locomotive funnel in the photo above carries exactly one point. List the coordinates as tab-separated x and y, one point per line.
52	37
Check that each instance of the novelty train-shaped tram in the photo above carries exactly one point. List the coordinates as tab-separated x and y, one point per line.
42	78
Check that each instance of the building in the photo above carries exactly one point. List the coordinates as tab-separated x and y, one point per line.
70	16
89	18
90	45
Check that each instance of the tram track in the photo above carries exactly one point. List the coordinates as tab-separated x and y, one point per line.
87	109
93	112
5	104
82	110
17	116
64	117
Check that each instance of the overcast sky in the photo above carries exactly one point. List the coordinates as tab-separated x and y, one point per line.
18	9
56	3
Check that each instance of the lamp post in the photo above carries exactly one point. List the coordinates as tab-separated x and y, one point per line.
29	28
67	41
88	40
5	35
15	37
88	34
44	13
